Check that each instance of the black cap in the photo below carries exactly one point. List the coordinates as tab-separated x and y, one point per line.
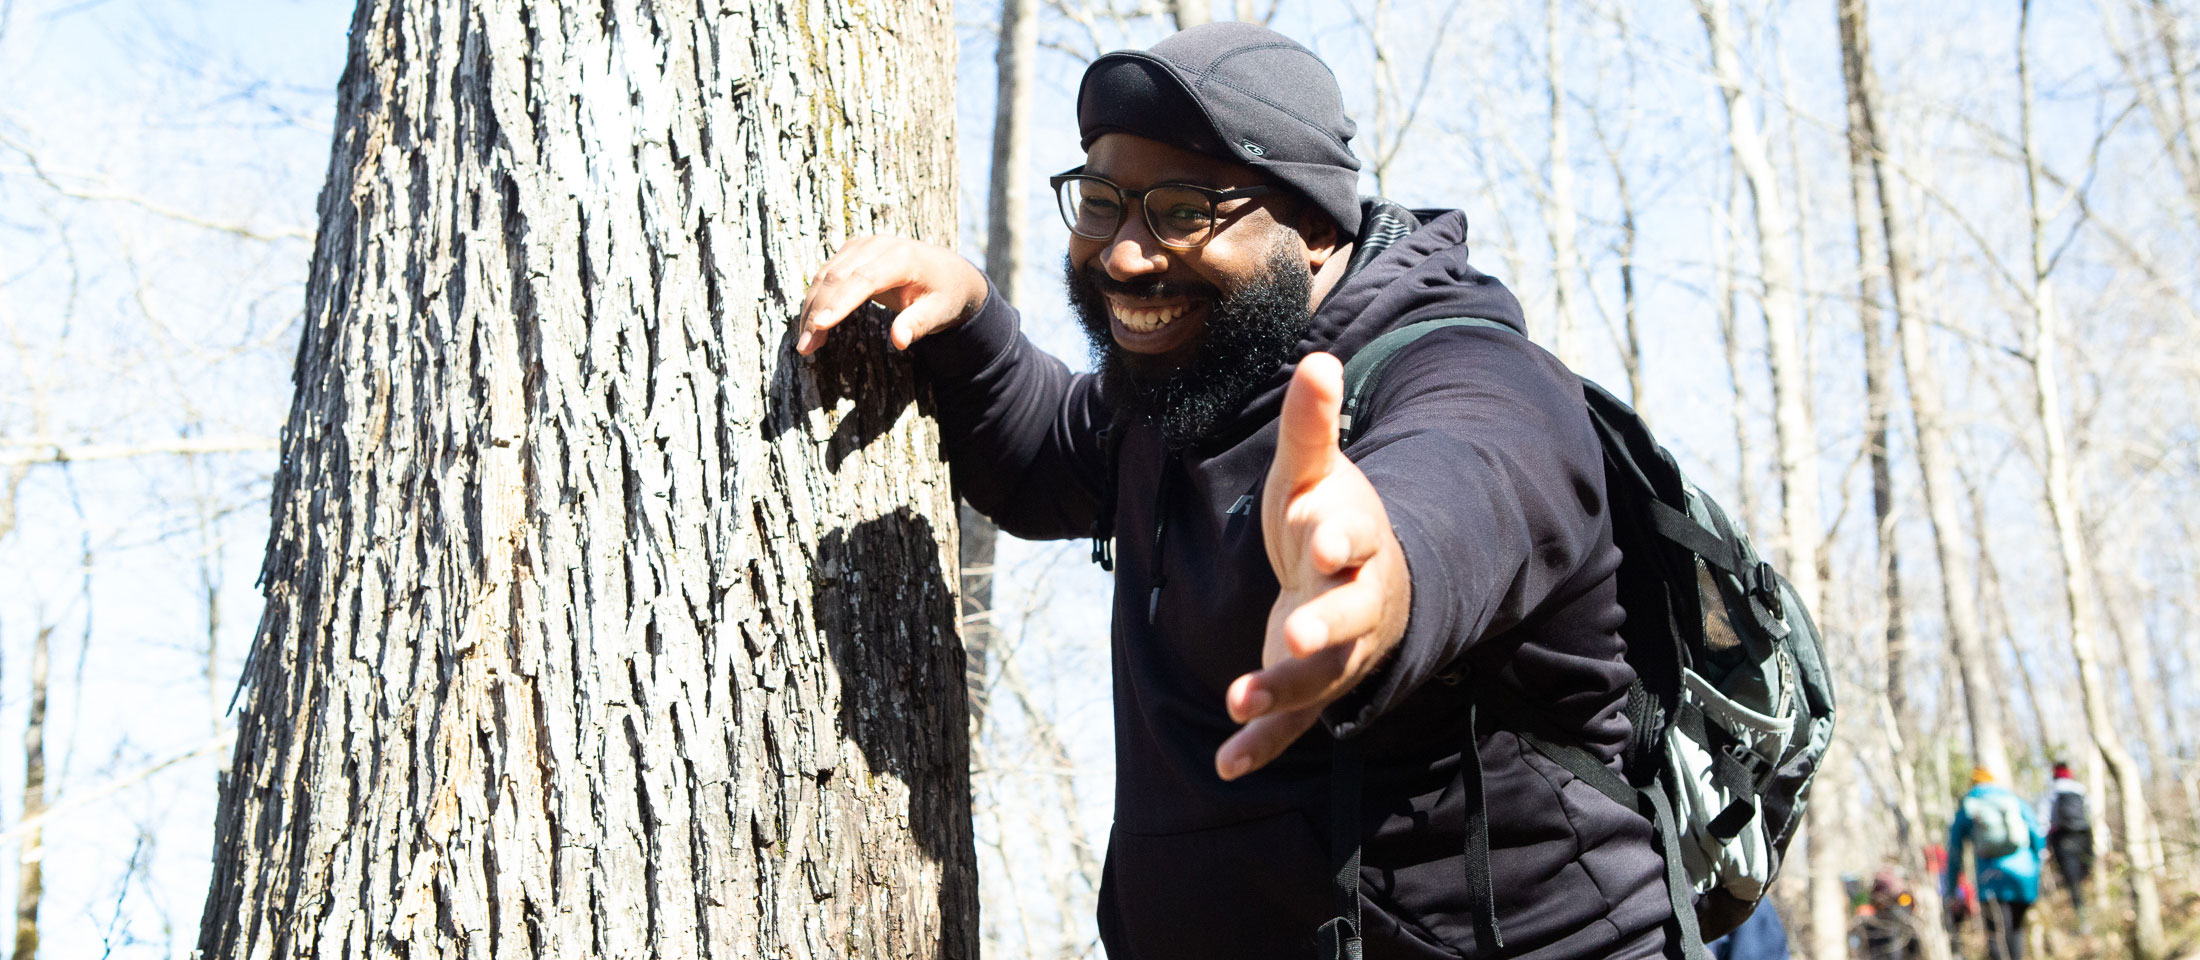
1238	91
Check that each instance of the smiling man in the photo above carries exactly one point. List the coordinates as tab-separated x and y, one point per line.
1322	656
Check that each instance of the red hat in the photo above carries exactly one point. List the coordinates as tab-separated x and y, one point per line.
2062	771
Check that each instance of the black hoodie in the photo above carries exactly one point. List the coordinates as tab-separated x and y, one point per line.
1478	444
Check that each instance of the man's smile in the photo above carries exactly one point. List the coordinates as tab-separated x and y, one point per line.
1154	326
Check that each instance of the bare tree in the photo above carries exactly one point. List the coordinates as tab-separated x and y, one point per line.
598	622
2139	868
1899	725
1559	216
1015	61
1795	435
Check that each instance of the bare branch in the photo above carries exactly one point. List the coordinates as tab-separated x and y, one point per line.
30	450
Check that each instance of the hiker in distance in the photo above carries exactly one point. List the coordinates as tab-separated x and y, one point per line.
2069	818
1282	603
2008	847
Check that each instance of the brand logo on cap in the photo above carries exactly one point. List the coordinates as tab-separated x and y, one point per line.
1253	148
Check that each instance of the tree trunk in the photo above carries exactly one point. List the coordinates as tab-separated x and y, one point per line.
599	623
2139	864
1008	210
1189	13
1558	201
30	858
1796	440
1899	726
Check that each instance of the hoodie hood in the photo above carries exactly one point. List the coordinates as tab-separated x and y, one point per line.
1407	266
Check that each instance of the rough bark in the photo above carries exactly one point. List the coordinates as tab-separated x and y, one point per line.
1795	438
2139	863
599	623
1897	724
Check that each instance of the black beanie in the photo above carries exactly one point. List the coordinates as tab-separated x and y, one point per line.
1238	91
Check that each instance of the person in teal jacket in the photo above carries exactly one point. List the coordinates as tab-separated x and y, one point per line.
1990	816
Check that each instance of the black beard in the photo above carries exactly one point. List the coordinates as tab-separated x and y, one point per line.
1250	333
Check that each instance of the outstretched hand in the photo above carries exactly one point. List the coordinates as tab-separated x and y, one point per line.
928	288
1344	592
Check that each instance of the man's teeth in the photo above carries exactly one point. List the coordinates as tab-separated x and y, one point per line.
1144	320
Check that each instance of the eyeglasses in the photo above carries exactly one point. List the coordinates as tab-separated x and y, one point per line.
1179	214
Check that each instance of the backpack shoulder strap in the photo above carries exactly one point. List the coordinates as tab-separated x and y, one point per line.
1366	367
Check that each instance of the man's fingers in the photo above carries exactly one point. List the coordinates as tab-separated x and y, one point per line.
1293	684
1343	540
921	316
1338	616
1261	741
859	272
1306	441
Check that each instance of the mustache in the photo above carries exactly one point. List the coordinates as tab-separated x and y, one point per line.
1147	287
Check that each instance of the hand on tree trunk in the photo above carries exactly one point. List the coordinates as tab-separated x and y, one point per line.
928	288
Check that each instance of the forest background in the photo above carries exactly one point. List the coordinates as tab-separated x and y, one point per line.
1680	215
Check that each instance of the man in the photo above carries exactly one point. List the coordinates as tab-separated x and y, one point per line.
2007	845
1273	592
2069	819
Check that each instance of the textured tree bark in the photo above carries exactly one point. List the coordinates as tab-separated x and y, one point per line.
599	623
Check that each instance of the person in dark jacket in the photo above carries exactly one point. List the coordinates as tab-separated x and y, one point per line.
1276	595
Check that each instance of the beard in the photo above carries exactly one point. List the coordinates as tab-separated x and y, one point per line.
1250	333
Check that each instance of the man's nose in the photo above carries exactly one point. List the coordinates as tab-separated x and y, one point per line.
1133	252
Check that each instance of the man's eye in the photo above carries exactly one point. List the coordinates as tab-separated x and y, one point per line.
1187	216
1099	206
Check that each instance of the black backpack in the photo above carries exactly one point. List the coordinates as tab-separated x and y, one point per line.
2070	814
1732	709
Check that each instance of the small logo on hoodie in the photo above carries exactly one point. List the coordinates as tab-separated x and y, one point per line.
1253	148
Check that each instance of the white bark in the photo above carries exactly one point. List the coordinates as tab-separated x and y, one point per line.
1796	440
599	623
2140	865
1559	214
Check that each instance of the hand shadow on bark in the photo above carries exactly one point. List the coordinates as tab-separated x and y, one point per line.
856	363
887	612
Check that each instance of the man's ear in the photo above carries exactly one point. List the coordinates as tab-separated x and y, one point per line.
1320	235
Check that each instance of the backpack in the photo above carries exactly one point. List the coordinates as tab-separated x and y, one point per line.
1732	706
1998	826
2070	814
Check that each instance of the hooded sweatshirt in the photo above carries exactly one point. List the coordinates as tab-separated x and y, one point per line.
1478	443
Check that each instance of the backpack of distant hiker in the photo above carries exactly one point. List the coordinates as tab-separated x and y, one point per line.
2070	813
1732	709
1998	827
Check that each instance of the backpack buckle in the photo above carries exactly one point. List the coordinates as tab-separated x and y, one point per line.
1765	586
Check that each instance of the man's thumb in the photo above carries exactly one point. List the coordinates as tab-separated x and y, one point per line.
1306	441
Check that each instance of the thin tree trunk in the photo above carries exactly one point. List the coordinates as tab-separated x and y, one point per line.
1189	13
1929	423
30	858
2139	867
1871	267
1008	210
600	623
1796	440
1558	201
1726	287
